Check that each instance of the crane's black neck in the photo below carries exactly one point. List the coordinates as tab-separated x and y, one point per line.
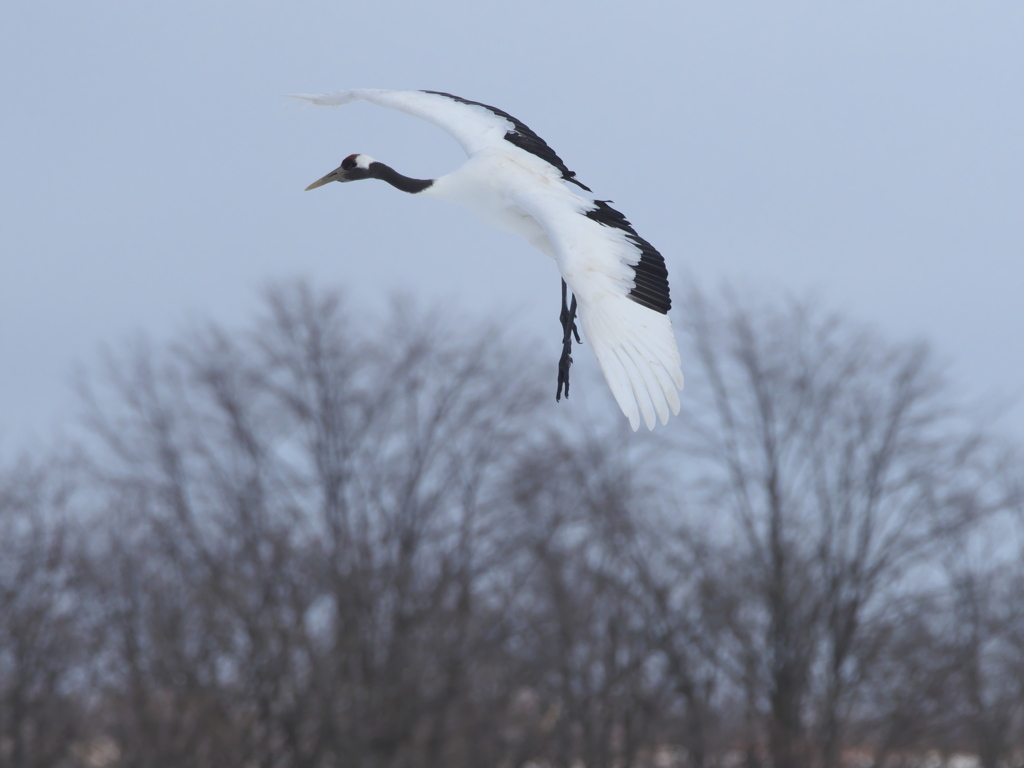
386	173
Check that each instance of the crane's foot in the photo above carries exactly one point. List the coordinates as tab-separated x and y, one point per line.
568	319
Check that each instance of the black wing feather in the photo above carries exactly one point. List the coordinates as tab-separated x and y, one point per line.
650	275
522	137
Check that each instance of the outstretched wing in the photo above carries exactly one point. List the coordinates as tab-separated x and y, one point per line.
621	285
474	125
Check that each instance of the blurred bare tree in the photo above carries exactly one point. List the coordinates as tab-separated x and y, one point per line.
984	639
309	516
335	539
841	465
43	699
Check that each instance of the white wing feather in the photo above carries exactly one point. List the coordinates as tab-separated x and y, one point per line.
634	345
474	127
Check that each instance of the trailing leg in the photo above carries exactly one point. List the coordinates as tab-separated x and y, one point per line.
568	320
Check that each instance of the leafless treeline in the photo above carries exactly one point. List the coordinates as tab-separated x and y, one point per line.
334	542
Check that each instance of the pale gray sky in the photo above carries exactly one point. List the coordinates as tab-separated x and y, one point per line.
151	171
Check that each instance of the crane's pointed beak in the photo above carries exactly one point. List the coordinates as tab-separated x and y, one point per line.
336	175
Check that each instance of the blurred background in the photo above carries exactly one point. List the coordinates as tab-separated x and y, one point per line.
263	502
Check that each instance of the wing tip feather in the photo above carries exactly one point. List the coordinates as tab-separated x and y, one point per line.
642	370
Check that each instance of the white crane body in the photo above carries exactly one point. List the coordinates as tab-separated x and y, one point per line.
515	182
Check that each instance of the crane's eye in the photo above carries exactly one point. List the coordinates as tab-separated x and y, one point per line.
349	162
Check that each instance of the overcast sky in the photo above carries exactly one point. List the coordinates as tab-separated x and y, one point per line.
152	172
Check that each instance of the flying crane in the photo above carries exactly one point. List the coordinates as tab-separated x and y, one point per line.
514	181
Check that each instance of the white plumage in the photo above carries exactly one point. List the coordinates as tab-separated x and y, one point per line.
514	181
